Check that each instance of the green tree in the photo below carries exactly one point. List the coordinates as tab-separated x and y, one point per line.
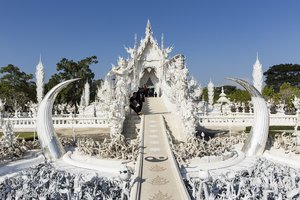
287	93
69	69
16	87
269	93
276	75
239	95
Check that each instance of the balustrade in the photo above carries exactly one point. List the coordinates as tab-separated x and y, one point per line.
61	122
244	120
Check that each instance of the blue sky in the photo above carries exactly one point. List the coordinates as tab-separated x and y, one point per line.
218	38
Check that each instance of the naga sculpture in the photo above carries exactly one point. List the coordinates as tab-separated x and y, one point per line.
257	139
47	136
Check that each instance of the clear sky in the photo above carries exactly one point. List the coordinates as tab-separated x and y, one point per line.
219	38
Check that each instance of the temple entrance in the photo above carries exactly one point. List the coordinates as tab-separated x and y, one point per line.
150	79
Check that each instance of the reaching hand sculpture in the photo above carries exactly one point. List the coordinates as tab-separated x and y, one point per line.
47	136
257	139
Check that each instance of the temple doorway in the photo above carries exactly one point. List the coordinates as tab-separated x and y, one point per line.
150	79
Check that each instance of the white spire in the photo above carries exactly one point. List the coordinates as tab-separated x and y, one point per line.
222	92
40	61
148	28
210	91
135	41
39	75
87	93
257	74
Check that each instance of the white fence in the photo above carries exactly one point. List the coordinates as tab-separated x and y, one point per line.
245	120
60	122
206	121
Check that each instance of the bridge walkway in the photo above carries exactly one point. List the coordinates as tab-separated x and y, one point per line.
161	178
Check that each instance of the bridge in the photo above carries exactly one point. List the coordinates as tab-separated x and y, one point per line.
158	173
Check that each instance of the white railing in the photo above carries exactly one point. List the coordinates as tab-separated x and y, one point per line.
60	122
233	120
245	120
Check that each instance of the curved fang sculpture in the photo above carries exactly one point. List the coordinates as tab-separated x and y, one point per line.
256	142
47	136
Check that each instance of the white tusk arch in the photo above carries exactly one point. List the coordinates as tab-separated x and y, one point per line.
256	141
44	124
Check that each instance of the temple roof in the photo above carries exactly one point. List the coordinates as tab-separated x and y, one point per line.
147	40
138	50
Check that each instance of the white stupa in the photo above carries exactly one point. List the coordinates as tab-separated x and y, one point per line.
223	99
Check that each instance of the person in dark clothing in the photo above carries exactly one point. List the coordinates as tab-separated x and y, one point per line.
142	94
134	104
139	98
145	90
151	92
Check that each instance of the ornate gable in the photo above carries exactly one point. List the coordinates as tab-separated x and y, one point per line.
149	47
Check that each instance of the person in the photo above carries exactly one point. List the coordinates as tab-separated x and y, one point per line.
142	95
145	90
155	94
135	103
151	92
140	99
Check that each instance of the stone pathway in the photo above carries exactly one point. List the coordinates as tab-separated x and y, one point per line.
160	179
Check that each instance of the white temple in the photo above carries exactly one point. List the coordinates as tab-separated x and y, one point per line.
257	75
149	64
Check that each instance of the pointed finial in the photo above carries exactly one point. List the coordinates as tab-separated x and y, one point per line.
40	61
257	62
148	24
162	41
135	41
148	28
211	83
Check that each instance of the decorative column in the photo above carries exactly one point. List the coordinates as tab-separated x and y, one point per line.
257	75
210	91
39	74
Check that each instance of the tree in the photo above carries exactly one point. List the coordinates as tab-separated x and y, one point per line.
69	69
269	93
239	95
287	93
279	74
16	87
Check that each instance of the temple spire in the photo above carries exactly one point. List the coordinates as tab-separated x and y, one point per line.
148	28
40	74
40	61
257	74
